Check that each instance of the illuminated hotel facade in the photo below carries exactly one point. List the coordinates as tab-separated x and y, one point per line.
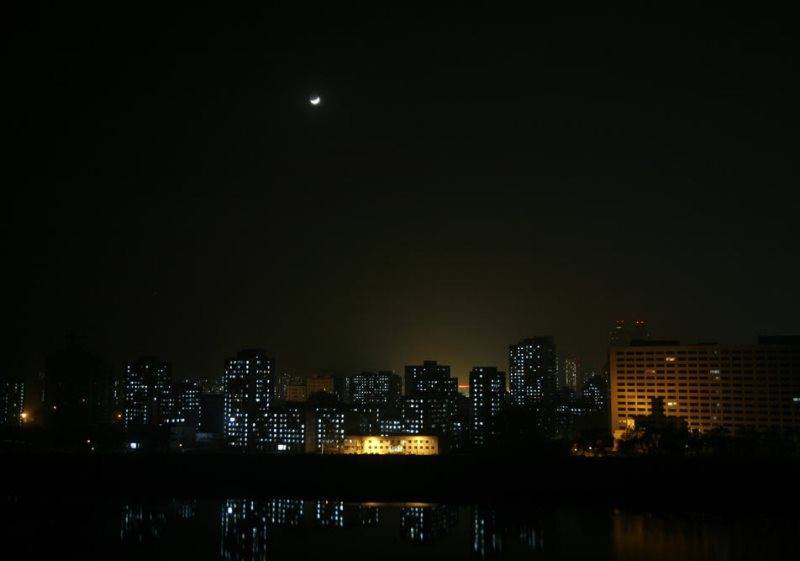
408	445
734	387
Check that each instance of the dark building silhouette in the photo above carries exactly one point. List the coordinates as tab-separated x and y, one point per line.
249	389
624	333
212	413
77	389
487	394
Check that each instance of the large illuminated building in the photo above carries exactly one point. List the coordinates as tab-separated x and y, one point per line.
735	387
406	445
147	392
284	429
12	398
375	389
249	386
429	406
487	391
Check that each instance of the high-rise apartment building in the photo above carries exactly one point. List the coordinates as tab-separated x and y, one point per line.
147	392
532	371
249	386
284	429
374	389
324	428
487	390
12	398
184	405
430	403
572	369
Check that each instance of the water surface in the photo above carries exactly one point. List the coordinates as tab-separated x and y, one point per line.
243	529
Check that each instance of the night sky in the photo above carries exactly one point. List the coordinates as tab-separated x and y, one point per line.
470	178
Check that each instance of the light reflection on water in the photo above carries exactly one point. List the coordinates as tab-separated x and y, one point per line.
249	529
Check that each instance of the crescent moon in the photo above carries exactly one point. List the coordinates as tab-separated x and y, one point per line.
314	100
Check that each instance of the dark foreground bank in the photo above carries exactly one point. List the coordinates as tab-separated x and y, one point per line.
701	482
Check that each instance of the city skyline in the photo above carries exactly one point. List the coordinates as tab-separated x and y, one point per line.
704	387
386	280
460	366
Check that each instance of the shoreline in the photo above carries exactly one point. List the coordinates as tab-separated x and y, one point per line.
701	483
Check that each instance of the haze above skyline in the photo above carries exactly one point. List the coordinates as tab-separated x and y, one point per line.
469	180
